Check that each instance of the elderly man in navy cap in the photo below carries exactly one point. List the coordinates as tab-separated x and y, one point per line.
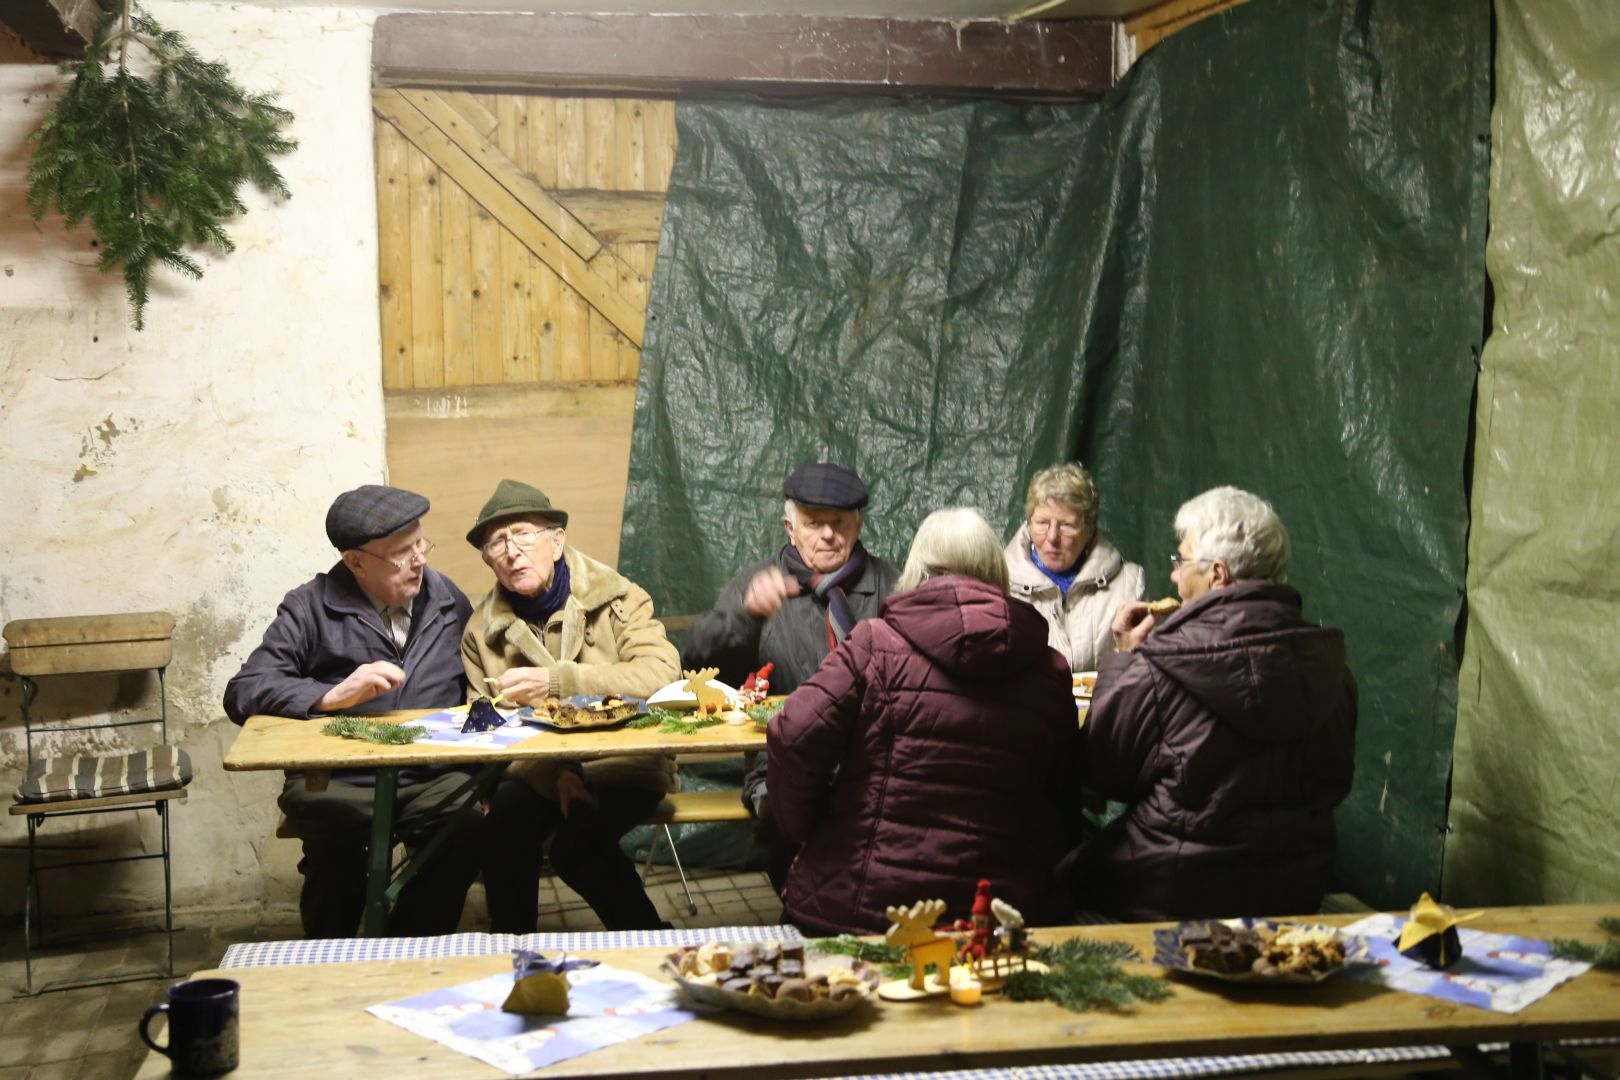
793	608
380	630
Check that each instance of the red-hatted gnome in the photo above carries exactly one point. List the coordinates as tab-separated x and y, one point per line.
757	687
982	941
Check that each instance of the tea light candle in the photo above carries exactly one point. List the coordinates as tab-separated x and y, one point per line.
965	989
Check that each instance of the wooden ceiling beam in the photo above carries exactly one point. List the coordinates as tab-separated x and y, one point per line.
58	29
773	55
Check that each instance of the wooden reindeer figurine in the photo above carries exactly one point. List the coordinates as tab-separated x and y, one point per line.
913	930
710	702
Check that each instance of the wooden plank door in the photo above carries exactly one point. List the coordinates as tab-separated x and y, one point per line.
517	239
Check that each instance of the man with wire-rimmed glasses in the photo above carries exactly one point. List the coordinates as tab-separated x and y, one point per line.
380	630
560	623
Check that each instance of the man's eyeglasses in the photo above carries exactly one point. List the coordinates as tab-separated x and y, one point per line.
522	541
1178	560
1064	529
420	550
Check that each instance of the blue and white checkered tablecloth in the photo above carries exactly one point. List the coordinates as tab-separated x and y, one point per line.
346	950
1165	1068
1162	1068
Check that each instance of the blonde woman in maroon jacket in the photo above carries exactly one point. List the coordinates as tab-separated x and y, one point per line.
935	746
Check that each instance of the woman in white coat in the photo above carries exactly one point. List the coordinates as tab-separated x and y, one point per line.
1069	572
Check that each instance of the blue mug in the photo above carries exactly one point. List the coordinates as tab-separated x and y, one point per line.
204	1037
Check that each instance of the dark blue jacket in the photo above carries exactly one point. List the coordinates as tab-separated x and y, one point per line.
327	627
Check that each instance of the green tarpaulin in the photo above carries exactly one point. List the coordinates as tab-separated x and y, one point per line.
1258	261
1536	801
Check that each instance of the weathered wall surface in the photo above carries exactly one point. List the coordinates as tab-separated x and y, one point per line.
189	467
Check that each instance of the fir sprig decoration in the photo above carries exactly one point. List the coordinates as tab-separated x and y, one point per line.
377	731
670	722
1605	957
763	713
153	162
890	958
1085	975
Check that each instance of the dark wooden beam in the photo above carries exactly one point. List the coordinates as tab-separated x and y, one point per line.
58	29
756	54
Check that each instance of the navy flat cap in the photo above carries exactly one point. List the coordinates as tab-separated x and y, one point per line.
370	511
821	483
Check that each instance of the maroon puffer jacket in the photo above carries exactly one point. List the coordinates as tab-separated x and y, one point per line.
936	746
1231	734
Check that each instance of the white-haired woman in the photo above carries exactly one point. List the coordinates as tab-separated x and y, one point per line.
1062	565
934	747
1229	730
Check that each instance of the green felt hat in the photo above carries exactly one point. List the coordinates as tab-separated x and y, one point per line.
513	497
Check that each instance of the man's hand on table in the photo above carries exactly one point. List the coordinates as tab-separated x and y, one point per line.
766	591
364	683
571	789
524	685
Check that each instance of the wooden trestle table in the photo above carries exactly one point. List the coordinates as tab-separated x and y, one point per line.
309	1021
280	743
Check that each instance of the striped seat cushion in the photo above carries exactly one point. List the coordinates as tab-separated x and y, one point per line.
52	779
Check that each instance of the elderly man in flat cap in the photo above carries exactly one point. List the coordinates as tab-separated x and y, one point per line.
559	623
793	608
380	630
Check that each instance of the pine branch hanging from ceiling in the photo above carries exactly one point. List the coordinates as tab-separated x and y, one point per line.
153	161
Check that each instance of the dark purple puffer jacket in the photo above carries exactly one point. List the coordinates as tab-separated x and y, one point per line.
1231	734
936	746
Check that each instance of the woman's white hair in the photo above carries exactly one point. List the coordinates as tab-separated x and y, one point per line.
1239	529
954	541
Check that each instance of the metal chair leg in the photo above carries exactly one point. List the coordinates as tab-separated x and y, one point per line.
675	853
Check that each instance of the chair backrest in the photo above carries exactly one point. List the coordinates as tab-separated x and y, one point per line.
87	644
90	645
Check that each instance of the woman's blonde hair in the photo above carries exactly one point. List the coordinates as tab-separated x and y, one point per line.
954	541
1070	485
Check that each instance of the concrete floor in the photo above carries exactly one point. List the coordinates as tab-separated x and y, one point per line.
89	1033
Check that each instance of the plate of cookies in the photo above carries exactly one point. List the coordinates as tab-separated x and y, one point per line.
779	980
1258	950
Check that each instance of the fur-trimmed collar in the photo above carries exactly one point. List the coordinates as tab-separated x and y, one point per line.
593	585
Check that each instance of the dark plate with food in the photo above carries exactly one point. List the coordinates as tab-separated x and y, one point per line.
1258	950
583	712
782	981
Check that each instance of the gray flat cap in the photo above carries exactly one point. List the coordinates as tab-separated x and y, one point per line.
821	483
370	511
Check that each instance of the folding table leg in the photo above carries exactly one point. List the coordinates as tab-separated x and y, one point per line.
379	856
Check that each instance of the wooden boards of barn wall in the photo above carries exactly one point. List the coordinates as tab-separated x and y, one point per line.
571	441
517	234
517	239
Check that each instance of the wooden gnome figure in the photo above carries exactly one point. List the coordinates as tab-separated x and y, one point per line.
982	941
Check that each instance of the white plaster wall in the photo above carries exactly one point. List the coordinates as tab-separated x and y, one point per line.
189	467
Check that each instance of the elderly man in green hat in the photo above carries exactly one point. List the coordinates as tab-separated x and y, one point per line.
559	623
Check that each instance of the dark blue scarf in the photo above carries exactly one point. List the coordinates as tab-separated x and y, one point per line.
535	610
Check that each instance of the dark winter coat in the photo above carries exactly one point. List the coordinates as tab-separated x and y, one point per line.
1230	732
794	639
327	627
934	747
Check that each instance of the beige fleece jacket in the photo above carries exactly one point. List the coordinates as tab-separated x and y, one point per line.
604	640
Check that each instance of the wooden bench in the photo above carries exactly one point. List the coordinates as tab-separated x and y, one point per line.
677	808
